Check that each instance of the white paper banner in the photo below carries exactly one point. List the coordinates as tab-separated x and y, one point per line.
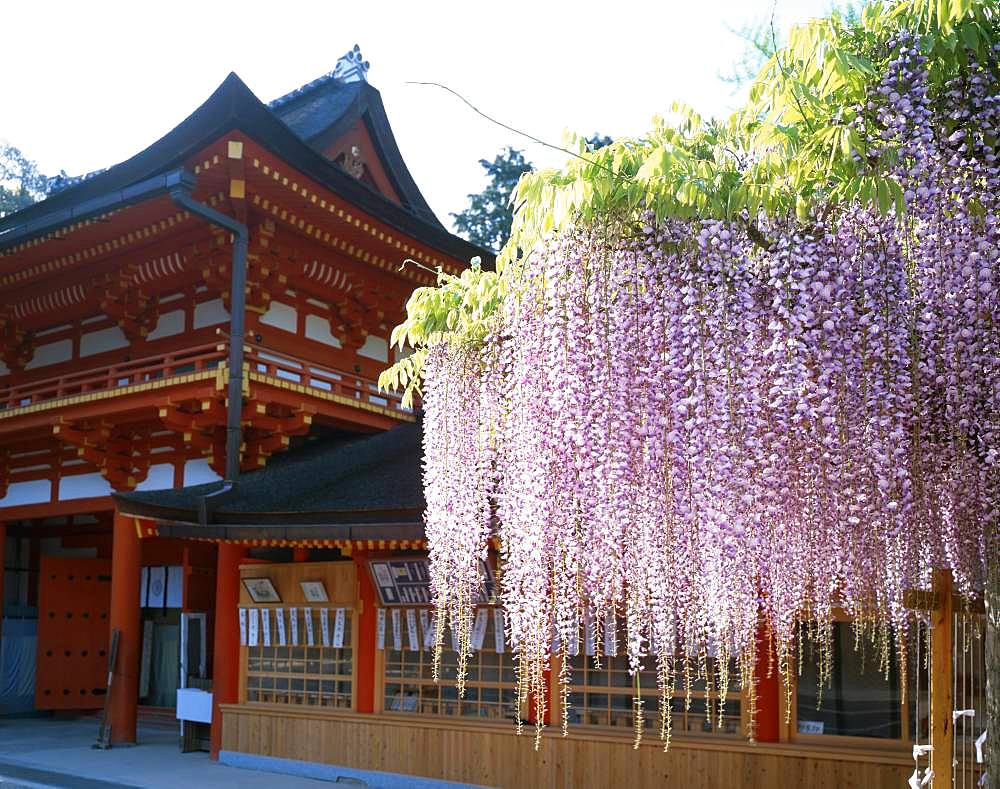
610	634
426	629
279	620
265	621
253	632
498	634
380	629
411	630
307	617
397	629
479	628
243	627
338	628
293	625
324	626
589	647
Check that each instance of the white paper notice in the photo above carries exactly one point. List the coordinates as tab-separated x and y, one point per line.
324	626
588	634
254	627
338	628
498	634
610	634
479	628
293	625
397	629
380	629
425	628
279	620
265	621
307	616
243	627
411	630
430	632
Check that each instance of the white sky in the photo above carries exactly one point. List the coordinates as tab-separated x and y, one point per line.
88	84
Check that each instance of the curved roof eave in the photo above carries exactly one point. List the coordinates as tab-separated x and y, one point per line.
234	106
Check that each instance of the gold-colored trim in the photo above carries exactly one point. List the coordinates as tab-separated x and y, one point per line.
320	394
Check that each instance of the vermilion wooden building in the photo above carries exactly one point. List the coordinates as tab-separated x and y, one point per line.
125	370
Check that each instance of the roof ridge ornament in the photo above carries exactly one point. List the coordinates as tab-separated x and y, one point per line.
351	67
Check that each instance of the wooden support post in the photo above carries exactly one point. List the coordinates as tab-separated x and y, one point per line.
300	554
942	691
226	652
126	561
365	671
769	702
993	662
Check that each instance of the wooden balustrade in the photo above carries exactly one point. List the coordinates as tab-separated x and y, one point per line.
196	359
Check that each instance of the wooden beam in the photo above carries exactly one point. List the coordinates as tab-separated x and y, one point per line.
942	697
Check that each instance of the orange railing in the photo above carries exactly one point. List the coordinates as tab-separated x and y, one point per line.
189	360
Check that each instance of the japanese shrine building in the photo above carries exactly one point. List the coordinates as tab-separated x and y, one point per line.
251	258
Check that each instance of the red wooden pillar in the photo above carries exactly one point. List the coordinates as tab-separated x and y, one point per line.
365	694
126	563
768	680
226	650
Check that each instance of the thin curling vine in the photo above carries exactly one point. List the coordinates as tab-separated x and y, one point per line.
667	423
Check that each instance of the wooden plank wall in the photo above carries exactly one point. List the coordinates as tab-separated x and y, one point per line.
493	755
339	578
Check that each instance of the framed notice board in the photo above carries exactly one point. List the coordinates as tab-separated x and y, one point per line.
406	581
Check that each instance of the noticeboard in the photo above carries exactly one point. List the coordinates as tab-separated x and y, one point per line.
408	581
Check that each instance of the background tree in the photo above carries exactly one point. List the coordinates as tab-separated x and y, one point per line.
21	183
488	218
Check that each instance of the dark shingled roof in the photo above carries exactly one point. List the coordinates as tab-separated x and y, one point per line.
339	479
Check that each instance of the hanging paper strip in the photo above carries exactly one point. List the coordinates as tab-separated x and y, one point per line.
589	646
265	621
454	639
243	627
338	628
425	628
380	629
479	628
430	630
610	634
498	630
307	616
253	633
411	630
324	626
279	620
293	625
397	629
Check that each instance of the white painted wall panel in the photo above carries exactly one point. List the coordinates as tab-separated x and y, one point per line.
109	339
318	329
209	313
83	486
32	492
281	316
376	348
51	353
168	324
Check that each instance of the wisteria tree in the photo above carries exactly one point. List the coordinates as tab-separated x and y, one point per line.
734	374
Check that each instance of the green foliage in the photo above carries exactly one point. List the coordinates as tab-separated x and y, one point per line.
791	150
21	184
488	218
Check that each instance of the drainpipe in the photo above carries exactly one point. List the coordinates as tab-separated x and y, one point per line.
181	195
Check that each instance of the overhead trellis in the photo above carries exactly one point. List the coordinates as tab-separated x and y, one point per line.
732	376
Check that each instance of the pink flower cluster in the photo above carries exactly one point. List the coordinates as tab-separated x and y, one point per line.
701	436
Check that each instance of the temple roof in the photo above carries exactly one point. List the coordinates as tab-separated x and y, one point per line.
295	127
334	480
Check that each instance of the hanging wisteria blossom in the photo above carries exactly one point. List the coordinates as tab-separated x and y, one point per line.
712	429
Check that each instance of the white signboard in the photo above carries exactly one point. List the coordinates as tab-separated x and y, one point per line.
498	633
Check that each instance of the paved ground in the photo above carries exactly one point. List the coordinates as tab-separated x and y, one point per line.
44	752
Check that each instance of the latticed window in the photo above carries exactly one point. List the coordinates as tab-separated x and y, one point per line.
606	696
490	687
316	676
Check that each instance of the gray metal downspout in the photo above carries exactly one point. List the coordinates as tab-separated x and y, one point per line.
237	328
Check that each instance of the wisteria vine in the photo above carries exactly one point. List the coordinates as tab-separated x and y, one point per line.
707	435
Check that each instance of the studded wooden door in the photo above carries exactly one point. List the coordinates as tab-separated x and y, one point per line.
74	596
